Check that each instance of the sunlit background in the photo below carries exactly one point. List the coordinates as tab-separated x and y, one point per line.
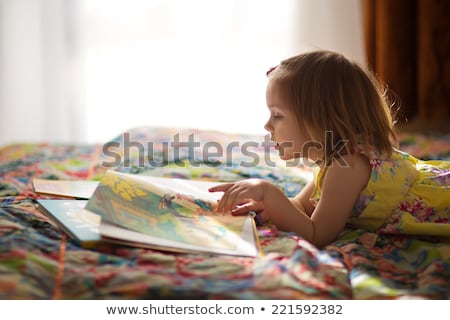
86	70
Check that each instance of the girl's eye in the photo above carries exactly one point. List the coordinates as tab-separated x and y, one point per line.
277	116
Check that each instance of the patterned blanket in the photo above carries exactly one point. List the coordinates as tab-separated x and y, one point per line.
38	261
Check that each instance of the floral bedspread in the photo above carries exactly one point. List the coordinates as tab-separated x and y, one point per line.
38	261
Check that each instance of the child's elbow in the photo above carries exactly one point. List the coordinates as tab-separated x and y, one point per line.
321	240
320	244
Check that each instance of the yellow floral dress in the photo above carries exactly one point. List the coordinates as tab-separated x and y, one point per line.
404	195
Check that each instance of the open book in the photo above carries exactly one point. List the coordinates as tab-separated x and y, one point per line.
169	214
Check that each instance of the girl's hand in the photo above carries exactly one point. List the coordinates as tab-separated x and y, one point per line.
246	207
242	196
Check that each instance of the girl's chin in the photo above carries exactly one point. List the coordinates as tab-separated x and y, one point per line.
287	157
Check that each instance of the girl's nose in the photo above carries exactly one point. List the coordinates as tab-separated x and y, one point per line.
268	127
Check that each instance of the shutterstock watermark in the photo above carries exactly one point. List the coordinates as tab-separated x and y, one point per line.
193	153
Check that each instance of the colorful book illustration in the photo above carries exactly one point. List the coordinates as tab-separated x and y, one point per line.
172	214
79	189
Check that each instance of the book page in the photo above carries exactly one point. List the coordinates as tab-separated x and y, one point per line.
189	193
243	245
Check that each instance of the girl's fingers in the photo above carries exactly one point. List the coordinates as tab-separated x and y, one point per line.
241	209
228	200
221	187
234	195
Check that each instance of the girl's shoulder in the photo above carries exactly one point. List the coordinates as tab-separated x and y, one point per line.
381	167
348	168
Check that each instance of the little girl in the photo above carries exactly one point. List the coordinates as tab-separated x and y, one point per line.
328	110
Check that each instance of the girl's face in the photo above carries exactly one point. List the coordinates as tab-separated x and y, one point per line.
291	141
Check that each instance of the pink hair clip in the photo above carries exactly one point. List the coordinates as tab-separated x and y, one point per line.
270	70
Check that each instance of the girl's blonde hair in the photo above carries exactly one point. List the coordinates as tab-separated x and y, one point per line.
328	92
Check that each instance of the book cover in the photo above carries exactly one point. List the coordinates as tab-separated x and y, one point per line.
79	189
176	214
81	225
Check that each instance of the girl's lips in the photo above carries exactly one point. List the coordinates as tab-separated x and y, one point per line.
275	145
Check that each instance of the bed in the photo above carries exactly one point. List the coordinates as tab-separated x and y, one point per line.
39	261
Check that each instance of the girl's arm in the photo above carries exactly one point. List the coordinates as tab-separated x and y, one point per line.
301	200
341	188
